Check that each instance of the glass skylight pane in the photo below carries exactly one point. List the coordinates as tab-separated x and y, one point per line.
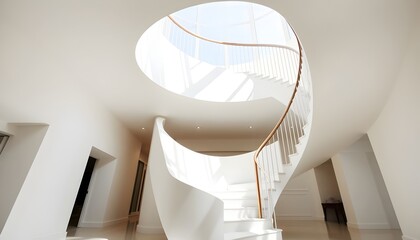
259	10
229	13
270	29
211	53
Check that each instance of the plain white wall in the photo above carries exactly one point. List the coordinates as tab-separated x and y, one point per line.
300	199
395	138
15	162
362	188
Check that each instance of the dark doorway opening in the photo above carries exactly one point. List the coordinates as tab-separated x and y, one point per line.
138	188
81	194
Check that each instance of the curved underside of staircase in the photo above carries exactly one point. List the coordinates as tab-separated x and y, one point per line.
203	197
186	212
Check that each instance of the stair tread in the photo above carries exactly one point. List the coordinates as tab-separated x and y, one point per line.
237	235
246	235
242	186
240	208
247	220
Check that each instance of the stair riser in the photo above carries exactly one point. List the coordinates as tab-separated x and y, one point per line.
247	225
237	203
272	236
234	214
237	195
243	187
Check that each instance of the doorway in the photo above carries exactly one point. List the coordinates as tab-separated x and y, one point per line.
81	194
138	188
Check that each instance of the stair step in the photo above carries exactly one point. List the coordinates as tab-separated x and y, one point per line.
241	225
242	186
240	202
275	234
236	195
237	235
240	213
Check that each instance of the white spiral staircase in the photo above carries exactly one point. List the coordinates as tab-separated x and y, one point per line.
204	197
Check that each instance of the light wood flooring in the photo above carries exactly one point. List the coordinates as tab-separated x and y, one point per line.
292	230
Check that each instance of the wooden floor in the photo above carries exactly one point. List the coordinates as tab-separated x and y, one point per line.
292	230
320	230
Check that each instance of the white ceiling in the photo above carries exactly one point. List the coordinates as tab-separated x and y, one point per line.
354	48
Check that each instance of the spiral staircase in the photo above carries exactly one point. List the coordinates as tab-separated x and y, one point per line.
207	197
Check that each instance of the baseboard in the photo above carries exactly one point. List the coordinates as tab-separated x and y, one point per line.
103	224
303	218
369	225
115	222
51	236
150	229
405	237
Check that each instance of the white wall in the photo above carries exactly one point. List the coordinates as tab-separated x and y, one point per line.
40	84
15	162
51	184
363	191
300	199
395	138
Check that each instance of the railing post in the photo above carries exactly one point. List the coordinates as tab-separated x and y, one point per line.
258	189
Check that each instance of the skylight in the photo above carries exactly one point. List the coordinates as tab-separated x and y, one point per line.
192	53
239	22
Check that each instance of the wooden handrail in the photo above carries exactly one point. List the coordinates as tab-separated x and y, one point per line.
276	127
229	43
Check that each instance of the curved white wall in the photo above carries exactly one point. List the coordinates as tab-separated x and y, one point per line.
395	138
186	213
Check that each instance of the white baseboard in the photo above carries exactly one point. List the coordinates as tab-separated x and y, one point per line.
297	217
51	236
103	224
150	229
405	237
369	225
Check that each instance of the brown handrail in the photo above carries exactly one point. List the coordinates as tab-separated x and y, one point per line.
276	127
229	43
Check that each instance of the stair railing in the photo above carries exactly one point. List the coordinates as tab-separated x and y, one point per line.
276	151
278	62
